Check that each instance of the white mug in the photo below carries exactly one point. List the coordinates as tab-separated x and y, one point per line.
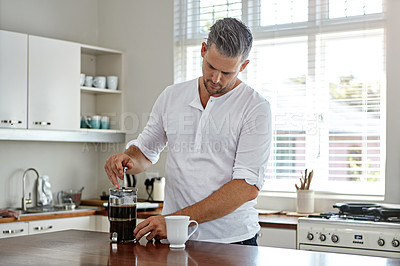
99	82
82	79
112	82
105	122
95	122
89	81
177	230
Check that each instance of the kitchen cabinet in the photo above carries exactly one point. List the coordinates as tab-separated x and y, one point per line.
39	82
40	94
277	237
45	226
53	225
53	98
13	229
13	79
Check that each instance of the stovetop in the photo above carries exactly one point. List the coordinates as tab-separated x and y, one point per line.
363	212
363	217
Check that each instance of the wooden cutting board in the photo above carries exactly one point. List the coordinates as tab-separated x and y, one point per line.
93	202
296	214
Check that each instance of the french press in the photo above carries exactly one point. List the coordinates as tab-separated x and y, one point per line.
122	214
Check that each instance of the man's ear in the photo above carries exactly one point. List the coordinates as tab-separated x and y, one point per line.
243	66
203	49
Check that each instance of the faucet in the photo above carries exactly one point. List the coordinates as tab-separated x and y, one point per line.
26	201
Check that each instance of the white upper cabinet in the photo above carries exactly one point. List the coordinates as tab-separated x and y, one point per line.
54	91
40	89
13	79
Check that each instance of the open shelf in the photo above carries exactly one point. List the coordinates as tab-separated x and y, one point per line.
98	61
99	91
82	135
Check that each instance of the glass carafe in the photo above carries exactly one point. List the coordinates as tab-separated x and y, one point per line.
122	214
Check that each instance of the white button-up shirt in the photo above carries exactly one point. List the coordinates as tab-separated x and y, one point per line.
207	147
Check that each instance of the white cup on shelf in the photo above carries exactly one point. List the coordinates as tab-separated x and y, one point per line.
112	82
99	82
89	81
82	79
105	122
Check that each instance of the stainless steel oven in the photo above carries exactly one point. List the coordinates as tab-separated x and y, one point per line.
370	232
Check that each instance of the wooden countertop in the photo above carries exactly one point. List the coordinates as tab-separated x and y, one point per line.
74	247
45	216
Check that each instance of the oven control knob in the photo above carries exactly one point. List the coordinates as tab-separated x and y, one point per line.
322	237
335	238
381	242
310	236
395	243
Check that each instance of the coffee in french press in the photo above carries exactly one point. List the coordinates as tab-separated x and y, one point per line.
122	214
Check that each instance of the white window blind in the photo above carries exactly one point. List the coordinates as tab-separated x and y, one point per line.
321	65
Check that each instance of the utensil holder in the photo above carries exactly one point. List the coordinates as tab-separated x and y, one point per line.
305	201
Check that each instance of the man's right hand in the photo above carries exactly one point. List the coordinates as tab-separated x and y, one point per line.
115	167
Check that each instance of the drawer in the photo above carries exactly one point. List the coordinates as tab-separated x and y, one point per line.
13	229
53	225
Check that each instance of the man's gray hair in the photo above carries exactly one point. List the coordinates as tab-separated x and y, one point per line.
231	37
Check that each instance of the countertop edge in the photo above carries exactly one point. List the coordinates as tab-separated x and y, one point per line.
270	220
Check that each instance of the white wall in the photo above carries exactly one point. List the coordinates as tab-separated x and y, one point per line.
68	166
72	20
393	98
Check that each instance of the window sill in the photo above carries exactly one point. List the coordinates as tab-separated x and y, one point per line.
324	195
286	201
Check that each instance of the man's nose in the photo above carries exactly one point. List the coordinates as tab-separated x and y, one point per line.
216	77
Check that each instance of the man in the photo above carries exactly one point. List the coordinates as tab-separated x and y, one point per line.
8	213
218	134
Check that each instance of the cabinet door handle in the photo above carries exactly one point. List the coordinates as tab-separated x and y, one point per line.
42	228
13	231
42	123
11	122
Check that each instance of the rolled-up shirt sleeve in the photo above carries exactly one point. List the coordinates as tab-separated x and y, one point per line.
153	138
254	146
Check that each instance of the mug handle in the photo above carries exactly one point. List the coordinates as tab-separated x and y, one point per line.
87	123
197	226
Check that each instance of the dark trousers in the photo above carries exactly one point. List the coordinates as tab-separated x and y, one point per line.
249	242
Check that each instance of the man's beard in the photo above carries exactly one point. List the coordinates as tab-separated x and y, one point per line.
219	91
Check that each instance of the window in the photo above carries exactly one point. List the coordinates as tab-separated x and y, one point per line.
321	65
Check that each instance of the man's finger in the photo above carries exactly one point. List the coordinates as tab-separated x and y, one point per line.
151	235
143	232
140	226
111	176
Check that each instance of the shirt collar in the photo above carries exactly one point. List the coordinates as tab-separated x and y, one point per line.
196	102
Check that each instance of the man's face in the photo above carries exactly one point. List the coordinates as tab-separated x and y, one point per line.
220	72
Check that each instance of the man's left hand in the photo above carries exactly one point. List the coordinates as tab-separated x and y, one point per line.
154	225
9	213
